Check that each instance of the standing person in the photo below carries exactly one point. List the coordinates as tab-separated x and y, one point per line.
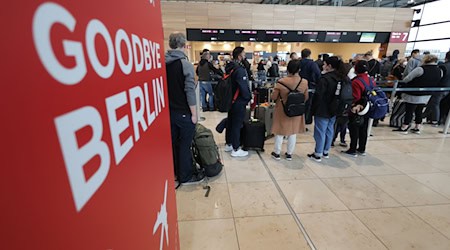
269	64
182	106
293	56
274	70
433	108
395	56
284	126
413	62
358	130
261	70
399	68
310	71
239	81
427	75
206	71
324	118
374	64
319	62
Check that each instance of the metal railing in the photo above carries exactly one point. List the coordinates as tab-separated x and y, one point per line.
394	90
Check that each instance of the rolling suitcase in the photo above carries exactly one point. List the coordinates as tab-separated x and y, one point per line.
398	113
253	135
264	113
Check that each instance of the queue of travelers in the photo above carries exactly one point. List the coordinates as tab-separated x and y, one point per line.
303	74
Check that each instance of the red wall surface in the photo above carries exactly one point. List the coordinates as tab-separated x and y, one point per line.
86	149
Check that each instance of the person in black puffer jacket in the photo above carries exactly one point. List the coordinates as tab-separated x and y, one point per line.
433	109
426	76
324	118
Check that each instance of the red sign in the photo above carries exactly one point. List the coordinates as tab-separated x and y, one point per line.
86	155
399	37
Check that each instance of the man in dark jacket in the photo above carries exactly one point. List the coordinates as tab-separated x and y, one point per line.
374	64
310	71
433	108
182	106
239	81
206	71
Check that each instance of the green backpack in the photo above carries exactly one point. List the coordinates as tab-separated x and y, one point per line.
206	152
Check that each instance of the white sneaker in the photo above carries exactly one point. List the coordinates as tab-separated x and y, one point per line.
228	148
239	153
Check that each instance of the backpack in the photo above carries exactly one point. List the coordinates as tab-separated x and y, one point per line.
206	152
295	101
379	103
274	70
343	98
224	93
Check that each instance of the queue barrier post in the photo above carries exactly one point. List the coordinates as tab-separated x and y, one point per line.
197	93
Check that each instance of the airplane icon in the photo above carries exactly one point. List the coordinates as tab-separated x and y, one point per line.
161	219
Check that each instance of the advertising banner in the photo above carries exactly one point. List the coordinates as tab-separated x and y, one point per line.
86	152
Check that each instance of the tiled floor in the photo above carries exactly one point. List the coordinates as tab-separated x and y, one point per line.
396	197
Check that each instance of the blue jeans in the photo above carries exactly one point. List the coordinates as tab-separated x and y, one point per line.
183	131
323	134
206	88
262	75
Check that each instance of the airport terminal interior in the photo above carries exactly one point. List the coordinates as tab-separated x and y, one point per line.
397	196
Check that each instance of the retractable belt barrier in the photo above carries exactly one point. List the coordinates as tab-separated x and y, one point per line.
394	89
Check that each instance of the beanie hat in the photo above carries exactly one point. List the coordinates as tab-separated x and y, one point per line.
361	66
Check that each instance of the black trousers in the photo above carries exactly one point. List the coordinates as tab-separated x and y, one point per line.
183	131
234	124
358	134
417	109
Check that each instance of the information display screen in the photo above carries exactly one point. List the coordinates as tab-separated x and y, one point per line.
227	35
310	36
273	36
350	37
286	36
382	37
333	37
210	35
367	37
250	35
291	36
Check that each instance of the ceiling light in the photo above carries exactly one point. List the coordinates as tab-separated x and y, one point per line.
360	1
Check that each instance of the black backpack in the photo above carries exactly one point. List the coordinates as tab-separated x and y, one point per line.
343	98
274	71
295	101
224	93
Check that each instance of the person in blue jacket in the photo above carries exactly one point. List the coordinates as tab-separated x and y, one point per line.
239	81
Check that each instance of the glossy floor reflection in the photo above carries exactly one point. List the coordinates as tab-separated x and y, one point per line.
396	197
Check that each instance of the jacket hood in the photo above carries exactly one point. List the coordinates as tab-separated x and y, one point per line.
230	66
173	55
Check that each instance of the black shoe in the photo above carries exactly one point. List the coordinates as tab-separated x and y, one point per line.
315	157
415	130
288	157
195	179
326	156
350	153
276	156
404	131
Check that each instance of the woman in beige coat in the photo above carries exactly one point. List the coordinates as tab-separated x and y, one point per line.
282	124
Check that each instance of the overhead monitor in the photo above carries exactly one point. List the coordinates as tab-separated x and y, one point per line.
291	36
333	37
273	36
367	37
310	36
350	37
248	35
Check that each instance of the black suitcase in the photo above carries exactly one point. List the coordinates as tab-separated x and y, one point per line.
253	135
